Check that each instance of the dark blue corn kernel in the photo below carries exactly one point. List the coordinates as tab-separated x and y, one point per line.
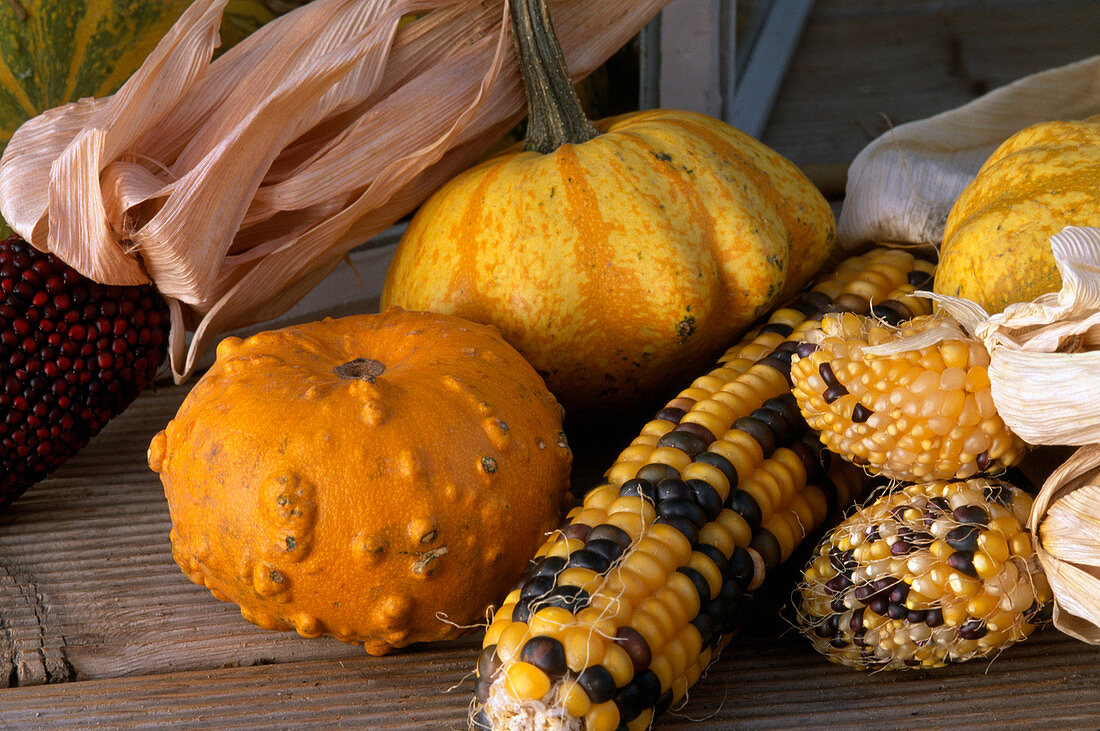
832	393
896	611
641	488
664	702
683	508
997	492
684	525
855	624
722	464
698	430
778	363
765	543
648	683
973	629
545	653
805	349
963	562
700	582
901	547
879	606
536	586
860	413
889	315
825	370
776	422
656	471
838	583
598	683
688	443
916	616
742	569
552	565
610	550
715	555
973	514
707	497
838	642
963	538
521	612
898	593
707	629
586	559
608	532
933	617
630	702
573	598
636	647
919	278
576	530
673	489
670	413
983	461
787	346
843	562
900	307
759	431
746	506
777	327
828	627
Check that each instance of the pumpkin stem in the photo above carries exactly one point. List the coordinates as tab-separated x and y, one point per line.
554	113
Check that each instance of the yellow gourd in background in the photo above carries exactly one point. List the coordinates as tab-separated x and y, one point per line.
996	245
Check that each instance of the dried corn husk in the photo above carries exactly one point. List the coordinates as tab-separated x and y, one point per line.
901	186
1065	520
1044	359
236	184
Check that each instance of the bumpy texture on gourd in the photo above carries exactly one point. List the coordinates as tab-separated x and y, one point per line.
627	604
996	245
621	264
931	574
912	402
358	477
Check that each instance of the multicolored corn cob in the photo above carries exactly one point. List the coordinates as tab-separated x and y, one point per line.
912	402
627	604
927	575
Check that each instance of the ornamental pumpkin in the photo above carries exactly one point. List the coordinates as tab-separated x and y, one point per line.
996	244
379	478
618	257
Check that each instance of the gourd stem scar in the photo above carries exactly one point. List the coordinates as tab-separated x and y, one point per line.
361	369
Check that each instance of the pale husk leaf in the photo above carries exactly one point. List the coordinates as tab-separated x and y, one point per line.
1065	521
1044	354
236	184
902	185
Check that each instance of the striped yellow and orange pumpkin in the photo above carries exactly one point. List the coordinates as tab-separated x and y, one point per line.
619	257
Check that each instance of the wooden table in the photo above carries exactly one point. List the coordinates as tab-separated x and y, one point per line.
100	629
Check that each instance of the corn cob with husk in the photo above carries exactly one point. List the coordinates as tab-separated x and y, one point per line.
927	575
626	605
911	400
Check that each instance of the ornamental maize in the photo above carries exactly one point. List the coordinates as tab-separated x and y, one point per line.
912	402
928	575
626	605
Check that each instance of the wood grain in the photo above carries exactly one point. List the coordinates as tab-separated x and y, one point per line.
100	629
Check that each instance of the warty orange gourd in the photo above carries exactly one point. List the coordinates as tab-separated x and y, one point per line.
359	476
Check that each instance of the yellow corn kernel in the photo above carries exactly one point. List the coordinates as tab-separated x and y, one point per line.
685	592
525	681
574	700
642	722
671	540
584	646
622	471
717	535
510	639
705	566
709	474
603	717
633	523
732	520
564	547
619	664
549	621
650	627
662	668
671	456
